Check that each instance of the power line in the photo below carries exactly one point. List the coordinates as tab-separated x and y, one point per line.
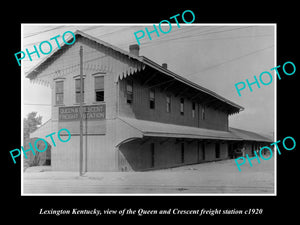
102	35
233	59
182	37
88	29
95	52
40	104
40	32
148	44
166	38
216	65
126	28
235	37
177	33
162	39
208	68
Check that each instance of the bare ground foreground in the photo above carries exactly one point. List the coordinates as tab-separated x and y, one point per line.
220	177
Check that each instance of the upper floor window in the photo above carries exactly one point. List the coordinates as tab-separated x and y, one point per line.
59	92
168	102
129	91
77	90
181	106
99	88
152	99
193	109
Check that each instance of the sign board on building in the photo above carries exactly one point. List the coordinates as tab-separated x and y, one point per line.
90	112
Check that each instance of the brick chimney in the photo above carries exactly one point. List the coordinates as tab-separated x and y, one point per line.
165	65
134	49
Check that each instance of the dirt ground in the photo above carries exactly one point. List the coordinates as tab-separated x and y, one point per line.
219	178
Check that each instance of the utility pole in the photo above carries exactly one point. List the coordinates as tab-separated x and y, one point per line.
81	111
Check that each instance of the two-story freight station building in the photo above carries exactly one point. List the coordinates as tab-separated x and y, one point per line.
138	115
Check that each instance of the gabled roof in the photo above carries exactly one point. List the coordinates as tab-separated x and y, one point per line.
188	82
33	72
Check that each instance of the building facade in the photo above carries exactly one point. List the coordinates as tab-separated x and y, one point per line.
138	115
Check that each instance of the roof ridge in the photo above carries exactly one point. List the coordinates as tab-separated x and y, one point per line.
145	61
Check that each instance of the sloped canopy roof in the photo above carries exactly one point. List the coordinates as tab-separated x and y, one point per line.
131	129
248	135
144	128
157	129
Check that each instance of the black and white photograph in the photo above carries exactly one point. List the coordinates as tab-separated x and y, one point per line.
128	111
163	109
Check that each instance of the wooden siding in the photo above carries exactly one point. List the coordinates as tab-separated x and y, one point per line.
65	156
99	143
99	150
140	109
136	155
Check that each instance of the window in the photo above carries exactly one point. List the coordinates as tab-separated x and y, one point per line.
152	154
129	91
152	99
217	150
182	152
193	109
77	90
99	89
59	92
181	106
168	100
203	112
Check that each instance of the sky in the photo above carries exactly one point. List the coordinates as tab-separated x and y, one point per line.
215	56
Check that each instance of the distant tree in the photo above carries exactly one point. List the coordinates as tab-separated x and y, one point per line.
31	123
